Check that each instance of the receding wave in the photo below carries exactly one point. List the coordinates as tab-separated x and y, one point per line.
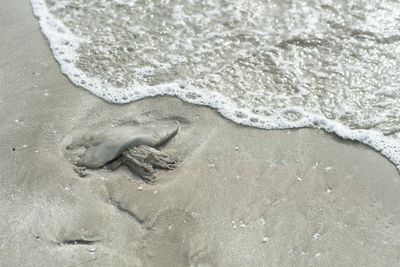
272	64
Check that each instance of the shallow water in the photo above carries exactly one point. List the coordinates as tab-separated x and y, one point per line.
271	64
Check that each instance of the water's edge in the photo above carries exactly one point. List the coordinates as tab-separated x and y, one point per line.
64	44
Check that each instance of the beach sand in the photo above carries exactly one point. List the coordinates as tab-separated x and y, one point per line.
240	197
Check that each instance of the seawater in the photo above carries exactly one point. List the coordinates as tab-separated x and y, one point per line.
272	64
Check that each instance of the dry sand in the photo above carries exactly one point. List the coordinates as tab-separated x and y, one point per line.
241	196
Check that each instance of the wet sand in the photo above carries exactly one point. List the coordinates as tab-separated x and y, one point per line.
240	197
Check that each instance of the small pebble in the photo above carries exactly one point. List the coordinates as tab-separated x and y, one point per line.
233	224
265	239
236	148
242	224
315	166
299	179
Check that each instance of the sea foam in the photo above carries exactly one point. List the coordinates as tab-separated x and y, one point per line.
331	65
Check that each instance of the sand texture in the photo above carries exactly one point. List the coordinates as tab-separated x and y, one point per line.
240	196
